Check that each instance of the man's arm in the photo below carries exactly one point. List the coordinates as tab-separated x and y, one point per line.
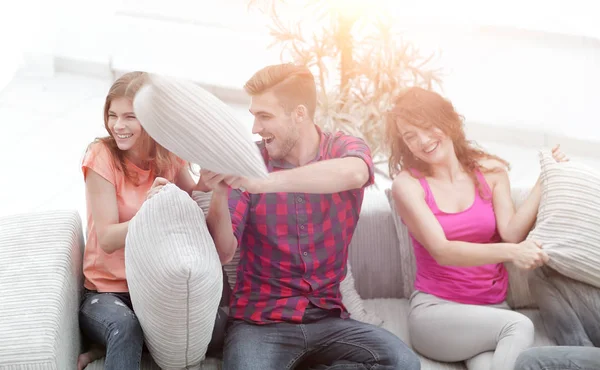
324	177
226	219
351	168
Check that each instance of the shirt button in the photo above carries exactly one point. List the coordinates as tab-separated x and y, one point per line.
300	200
305	253
302	227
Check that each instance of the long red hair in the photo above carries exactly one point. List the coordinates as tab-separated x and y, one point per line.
160	161
425	108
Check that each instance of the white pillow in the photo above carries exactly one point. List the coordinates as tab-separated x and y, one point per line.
175	278
350	297
354	302
568	220
196	126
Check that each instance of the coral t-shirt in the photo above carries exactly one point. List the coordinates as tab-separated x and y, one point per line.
106	272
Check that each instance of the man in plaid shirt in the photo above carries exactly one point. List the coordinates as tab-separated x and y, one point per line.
293	230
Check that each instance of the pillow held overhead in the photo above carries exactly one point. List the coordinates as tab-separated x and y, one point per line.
198	127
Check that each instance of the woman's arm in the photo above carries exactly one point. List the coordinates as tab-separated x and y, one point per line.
409	199
103	203
184	180
515	225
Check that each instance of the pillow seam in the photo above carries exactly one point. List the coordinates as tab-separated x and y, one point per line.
187	324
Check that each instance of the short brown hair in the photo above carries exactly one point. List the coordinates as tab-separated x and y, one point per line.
293	84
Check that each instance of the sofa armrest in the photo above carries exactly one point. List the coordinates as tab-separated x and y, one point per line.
40	288
374	252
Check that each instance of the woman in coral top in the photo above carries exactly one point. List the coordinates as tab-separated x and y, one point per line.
121	171
455	200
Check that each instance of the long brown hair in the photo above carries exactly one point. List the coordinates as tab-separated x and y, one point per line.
159	159
425	108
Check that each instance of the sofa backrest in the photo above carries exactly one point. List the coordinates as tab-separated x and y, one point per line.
375	249
382	256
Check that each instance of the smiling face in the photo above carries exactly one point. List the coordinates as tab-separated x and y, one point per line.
123	124
428	144
278	128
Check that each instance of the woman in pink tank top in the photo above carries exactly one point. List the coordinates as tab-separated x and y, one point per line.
455	200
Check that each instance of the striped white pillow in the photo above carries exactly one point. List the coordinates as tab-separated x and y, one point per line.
568	221
196	126
175	278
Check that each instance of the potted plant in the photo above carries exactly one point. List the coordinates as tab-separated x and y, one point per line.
359	58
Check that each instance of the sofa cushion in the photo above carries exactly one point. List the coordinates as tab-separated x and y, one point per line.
394	313
175	277
373	253
568	221
195	125
149	364
407	254
40	286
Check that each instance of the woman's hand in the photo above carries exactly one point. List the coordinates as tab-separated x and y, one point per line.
558	155
529	255
157	185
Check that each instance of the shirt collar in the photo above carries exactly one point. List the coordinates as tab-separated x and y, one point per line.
283	164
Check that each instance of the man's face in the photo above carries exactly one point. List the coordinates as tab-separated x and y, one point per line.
278	128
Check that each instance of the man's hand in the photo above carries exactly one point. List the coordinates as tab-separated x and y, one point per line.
215	182
209	181
252	186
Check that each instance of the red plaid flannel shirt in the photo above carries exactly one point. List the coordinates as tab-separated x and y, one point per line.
294	246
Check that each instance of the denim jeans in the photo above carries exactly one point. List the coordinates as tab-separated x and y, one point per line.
570	309
559	358
108	319
322	341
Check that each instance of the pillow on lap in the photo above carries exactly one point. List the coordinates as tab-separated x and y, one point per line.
174	276
568	220
196	126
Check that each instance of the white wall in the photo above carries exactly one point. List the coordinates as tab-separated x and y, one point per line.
531	65
86	30
524	79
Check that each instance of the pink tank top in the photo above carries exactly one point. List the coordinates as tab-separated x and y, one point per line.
485	284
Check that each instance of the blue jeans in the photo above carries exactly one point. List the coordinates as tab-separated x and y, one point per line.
327	342
559	358
108	319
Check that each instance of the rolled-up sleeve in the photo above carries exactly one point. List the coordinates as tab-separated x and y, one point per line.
351	146
238	209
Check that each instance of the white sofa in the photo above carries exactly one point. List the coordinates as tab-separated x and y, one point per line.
41	279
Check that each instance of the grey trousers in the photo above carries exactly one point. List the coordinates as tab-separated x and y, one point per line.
486	337
570	309
559	358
